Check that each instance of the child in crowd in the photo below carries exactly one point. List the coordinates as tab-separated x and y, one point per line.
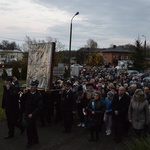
108	111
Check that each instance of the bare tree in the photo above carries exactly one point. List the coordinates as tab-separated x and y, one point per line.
91	44
59	45
29	41
25	46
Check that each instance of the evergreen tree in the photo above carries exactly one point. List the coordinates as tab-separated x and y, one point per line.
138	56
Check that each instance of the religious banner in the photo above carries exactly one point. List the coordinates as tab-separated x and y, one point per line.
40	64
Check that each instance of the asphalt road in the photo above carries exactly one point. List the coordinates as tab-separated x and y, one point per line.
52	138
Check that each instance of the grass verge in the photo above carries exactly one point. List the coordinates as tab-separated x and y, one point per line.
139	144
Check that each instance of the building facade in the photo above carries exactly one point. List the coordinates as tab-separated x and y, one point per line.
10	55
110	55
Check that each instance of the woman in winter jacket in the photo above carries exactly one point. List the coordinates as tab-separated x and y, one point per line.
96	108
139	112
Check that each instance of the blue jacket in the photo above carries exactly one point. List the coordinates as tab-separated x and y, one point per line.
108	104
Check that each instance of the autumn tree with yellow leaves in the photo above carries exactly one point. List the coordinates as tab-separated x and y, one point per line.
95	59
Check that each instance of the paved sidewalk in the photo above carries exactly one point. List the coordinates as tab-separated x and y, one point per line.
52	138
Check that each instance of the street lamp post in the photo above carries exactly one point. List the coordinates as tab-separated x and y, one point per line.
145	51
69	69
144	42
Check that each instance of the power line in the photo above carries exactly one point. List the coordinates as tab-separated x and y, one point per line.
1	37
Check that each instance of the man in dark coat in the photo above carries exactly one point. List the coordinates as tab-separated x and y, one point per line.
48	108
120	105
68	107
34	103
10	103
147	92
56	94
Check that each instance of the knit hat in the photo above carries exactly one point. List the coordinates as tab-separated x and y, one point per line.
110	93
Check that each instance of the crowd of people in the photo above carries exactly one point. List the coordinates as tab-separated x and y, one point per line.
102	99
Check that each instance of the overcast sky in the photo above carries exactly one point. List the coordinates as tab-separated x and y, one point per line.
107	22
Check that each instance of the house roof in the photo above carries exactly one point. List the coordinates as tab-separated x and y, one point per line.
119	49
10	51
85	49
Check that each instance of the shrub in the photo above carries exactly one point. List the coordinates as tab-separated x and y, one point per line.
139	144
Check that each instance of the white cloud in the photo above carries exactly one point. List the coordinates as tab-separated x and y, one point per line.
107	22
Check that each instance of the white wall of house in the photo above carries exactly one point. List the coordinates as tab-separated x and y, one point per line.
10	55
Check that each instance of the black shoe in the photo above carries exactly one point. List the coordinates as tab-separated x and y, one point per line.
8	137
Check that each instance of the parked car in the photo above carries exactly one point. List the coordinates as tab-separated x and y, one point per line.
138	76
132	72
146	81
141	75
146	78
146	74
